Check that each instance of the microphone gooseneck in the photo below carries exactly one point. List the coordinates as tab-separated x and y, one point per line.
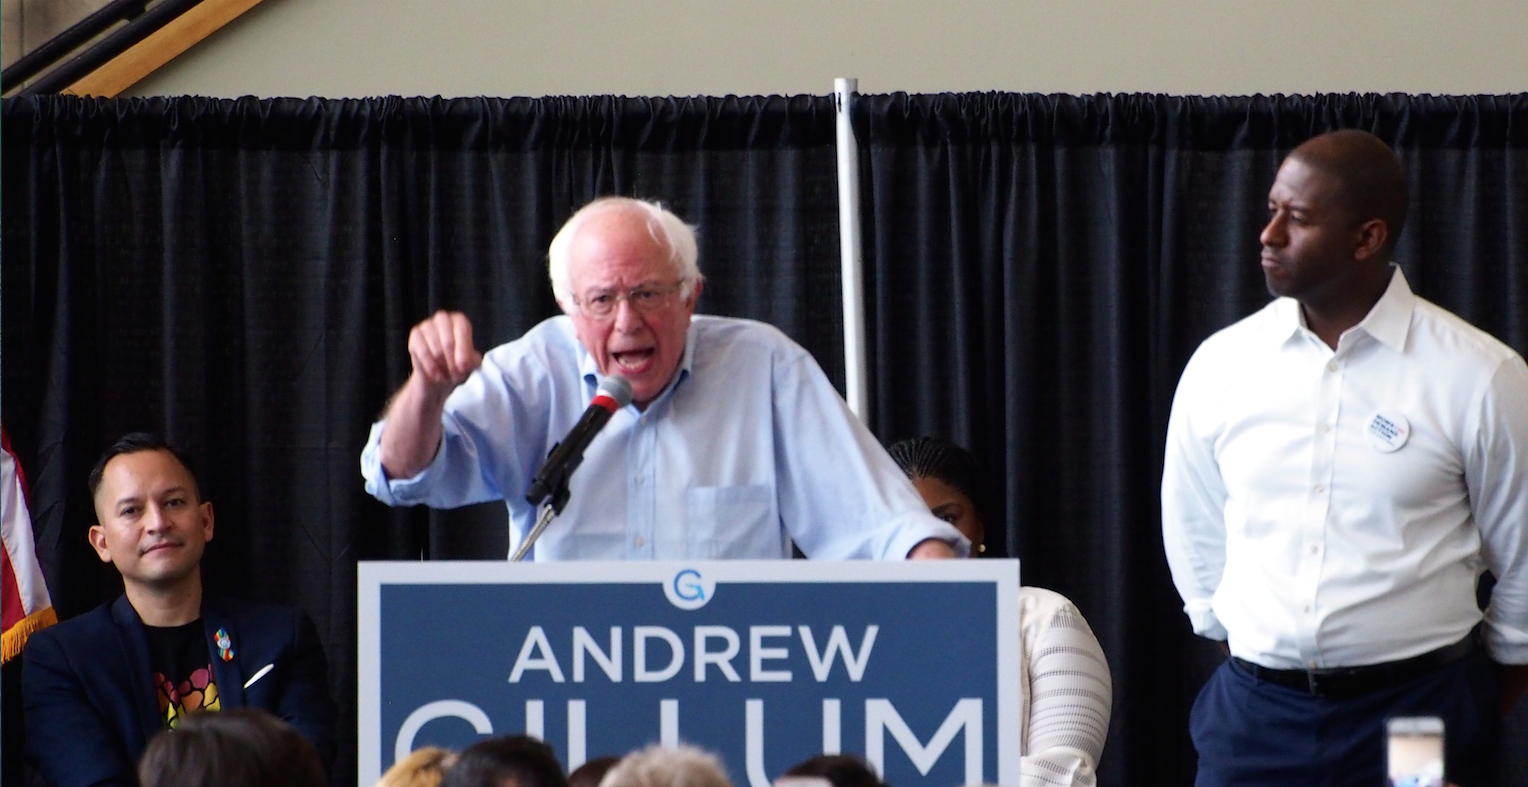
551	483
613	394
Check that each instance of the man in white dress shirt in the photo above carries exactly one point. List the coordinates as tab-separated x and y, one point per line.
1341	466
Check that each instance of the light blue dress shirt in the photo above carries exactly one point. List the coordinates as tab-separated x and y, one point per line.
749	448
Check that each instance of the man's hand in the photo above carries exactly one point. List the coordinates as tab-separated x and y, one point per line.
931	549
442	352
443	357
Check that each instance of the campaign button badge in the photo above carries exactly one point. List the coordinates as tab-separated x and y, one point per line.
1388	431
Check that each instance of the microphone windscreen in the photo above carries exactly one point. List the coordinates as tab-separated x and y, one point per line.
617	388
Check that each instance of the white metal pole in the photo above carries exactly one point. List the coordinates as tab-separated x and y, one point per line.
856	392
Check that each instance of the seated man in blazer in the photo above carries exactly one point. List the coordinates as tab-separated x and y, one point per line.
98	687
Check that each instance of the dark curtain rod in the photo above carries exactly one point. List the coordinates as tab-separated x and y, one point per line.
142	23
55	48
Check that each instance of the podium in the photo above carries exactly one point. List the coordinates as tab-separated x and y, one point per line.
915	665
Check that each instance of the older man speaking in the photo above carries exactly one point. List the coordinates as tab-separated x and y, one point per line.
735	444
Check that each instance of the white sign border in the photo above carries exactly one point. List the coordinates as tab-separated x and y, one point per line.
372	575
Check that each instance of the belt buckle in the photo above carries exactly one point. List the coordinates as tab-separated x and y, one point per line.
1324	683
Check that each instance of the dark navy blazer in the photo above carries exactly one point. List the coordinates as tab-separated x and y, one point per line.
89	694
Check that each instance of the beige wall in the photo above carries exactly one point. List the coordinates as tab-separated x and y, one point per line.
342	48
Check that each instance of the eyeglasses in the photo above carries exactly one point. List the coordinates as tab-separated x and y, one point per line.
601	304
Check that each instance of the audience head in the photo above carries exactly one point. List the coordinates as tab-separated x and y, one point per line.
591	773
949	479
239	747
152	523
656	766
507	761
841	770
424	767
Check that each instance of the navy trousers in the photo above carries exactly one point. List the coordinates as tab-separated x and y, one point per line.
1251	733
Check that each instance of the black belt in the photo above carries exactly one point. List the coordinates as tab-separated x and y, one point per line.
1341	682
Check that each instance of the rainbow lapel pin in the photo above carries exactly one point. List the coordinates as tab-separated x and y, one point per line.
225	645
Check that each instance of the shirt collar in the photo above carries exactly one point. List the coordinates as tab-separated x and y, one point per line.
1389	321
687	362
586	366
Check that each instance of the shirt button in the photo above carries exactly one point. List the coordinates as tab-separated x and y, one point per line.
640	477
1315	549
639	541
1326	428
1332	367
1306	610
1312	663
643	419
1320	488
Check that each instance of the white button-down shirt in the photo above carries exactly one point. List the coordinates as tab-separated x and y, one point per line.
1324	509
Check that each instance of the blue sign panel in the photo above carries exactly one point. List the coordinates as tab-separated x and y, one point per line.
913	665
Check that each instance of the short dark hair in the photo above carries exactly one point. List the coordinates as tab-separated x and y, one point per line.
518	760
842	770
1370	175
135	442
591	773
932	457
238	747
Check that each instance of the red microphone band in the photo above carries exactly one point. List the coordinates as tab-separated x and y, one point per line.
607	403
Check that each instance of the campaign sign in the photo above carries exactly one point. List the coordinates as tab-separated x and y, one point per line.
914	665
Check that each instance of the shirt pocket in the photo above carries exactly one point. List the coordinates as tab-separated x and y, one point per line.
734	522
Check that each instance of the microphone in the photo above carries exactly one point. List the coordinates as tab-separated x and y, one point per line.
613	394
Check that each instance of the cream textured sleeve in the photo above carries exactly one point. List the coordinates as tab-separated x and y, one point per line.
1068	694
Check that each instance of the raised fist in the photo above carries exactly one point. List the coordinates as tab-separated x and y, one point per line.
442	352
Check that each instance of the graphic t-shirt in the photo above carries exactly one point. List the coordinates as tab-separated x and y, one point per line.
182	671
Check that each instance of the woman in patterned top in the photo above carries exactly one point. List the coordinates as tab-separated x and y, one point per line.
1067	690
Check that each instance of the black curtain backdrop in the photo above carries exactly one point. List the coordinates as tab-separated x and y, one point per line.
241	275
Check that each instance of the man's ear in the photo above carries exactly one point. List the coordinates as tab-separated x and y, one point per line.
97	538
1372	236
205	509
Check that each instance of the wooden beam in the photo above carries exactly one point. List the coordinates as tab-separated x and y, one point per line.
164	45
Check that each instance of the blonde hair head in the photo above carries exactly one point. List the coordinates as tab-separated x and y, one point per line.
424	767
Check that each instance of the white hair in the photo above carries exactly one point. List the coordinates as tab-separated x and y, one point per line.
668	230
656	766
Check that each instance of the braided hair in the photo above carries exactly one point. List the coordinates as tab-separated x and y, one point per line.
932	457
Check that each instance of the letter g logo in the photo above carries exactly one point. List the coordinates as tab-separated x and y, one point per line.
688	589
